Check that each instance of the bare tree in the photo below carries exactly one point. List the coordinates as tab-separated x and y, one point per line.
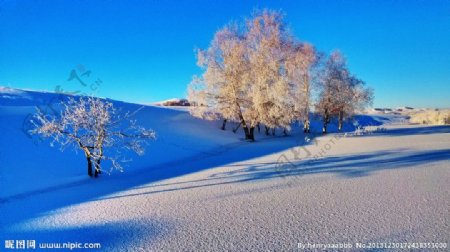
94	126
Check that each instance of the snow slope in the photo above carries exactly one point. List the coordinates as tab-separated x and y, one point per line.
31	162
39	167
202	189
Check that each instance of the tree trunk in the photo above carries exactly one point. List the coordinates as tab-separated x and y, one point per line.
326	119
341	120
306	123
252	134
249	132
246	132
224	124
98	165
89	165
306	128
259	128
97	168
273	131
235	129
267	130
325	124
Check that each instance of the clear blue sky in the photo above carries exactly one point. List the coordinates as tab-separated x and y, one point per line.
143	51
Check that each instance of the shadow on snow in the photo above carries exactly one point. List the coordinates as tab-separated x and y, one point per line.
41	203
347	166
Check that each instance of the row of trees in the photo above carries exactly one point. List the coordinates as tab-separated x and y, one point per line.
256	73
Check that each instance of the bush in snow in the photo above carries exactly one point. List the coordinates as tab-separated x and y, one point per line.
93	126
433	117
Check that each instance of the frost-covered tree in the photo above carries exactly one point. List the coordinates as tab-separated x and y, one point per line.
358	98
341	94
301	59
256	73
268	43
95	127
244	77
221	91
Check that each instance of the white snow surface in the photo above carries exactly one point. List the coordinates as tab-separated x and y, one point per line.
202	189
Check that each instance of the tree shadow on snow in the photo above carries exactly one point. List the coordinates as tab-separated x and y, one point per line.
351	166
17	210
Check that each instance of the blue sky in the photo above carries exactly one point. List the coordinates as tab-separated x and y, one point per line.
143	51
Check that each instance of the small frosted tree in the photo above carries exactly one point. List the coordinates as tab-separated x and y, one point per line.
357	98
93	126
341	94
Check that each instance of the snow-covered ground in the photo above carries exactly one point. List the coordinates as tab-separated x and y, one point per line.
202	189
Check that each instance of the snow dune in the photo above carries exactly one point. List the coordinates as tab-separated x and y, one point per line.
199	188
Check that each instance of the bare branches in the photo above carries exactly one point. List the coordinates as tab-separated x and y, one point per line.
97	128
